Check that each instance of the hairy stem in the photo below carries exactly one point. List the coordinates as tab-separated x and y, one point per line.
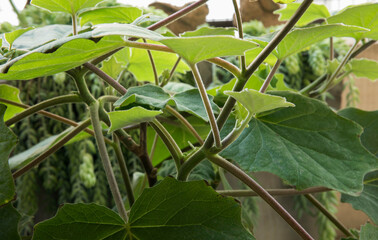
153	65
185	122
53	149
240	32
331	49
94	109
273	192
124	171
206	102
232	136
267	81
72	98
329	215
250	182
168	140
153	147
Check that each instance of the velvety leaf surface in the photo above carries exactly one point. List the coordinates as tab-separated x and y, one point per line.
181	135
186	210
203	31
314	12
69	55
301	38
155	97
135	115
10	93
369	121
129	30
369	232
39	36
364	68
9	222
7	141
110	15
256	102
196	49
12	36
82	222
140	64
308	145
368	200
68	6
364	15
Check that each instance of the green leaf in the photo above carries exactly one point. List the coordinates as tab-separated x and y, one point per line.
283	1
364	15
369	121
10	93
129	30
203	171
9	224
140	64
256	102
368	232
364	68
68	6
135	115
81	221
170	210
155	97
196	49
69	55
110	15
368	200
308	145
301	38
7	141
252	54
181	135
112	67
203	31
177	87
12	36
42	35
185	210
314	12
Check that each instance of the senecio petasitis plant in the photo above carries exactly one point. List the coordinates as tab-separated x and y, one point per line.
285	132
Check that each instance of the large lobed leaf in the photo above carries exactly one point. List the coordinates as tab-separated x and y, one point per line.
110	15
360	15
314	12
308	145
170	210
7	141
9	222
363	68
369	232
68	6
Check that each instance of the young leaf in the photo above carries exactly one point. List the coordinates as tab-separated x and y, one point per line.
360	15
369	121
363	68
301	38
42	35
69	55
135	115
308	145
7	141
185	210
9	224
110	15
368	200
10	93
81	222
68	6
256	102
12	36
314	12
368	232
203	31
196	49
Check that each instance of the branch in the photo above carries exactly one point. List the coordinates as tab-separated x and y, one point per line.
329	215
270	77
273	192
72	98
240	31
53	149
250	182
152	65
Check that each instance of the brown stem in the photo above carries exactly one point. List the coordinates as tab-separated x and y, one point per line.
240	31
250	182
273	192
329	215
152	65
270	77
